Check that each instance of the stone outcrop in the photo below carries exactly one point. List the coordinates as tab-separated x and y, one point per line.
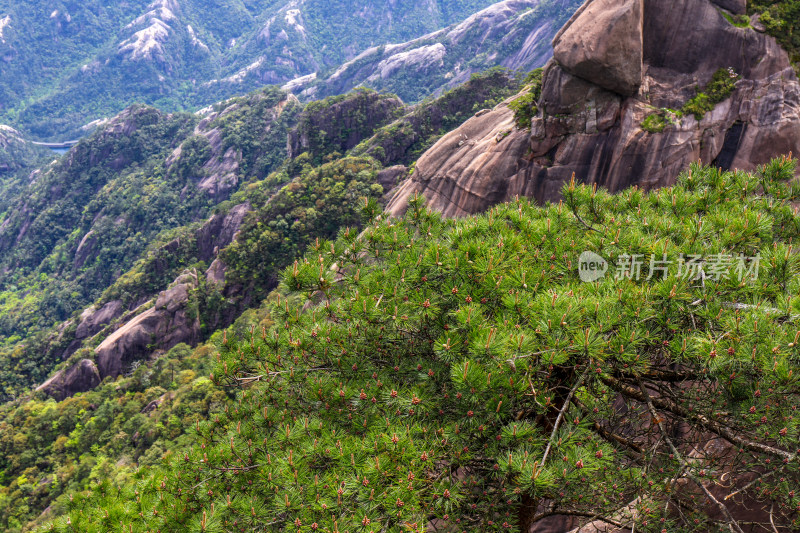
401	141
388	178
591	127
221	168
219	231
603	44
169	322
81	377
94	320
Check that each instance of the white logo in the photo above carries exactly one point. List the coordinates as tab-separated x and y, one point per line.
591	266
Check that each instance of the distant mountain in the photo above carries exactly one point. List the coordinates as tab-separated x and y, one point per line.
67	63
15	152
515	34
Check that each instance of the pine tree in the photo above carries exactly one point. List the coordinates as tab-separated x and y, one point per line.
459	374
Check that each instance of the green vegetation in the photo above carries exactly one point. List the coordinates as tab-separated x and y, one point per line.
458	371
52	449
718	89
405	139
654	123
314	205
740	21
526	106
335	124
781	18
64	64
721	86
68	236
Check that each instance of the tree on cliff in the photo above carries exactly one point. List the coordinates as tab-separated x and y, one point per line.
458	375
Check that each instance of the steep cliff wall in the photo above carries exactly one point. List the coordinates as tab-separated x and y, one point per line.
616	64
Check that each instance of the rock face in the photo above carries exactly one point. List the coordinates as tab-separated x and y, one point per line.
219	231
94	320
737	7
173	316
403	140
591	126
603	44
222	165
388	178
81	377
169	322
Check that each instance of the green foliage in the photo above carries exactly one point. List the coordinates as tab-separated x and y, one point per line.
242	122
51	449
526	106
337	123
64	65
459	372
114	219
654	123
315	204
721	86
740	21
781	18
405	139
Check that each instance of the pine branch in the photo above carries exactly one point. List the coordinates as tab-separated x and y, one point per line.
705	422
722	507
561	413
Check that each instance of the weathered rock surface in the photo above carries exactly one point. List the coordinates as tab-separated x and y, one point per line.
603	44
389	178
595	133
81	377
172	319
737	7
219	231
221	170
169	322
94	320
403	140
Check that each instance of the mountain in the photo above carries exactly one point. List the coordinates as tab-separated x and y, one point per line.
91	239
174	226
77	224
420	346
514	34
66	64
16	153
245	318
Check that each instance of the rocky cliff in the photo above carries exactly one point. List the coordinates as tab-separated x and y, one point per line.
122	335
627	100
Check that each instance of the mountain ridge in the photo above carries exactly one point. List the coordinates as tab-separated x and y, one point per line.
166	52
